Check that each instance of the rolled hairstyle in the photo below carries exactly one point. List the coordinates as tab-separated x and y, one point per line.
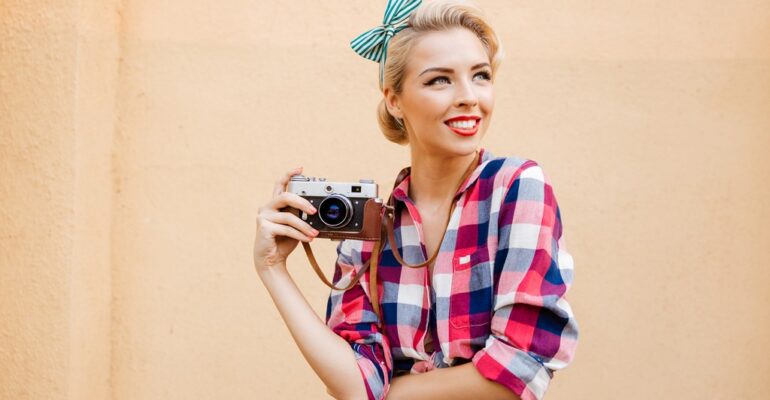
436	15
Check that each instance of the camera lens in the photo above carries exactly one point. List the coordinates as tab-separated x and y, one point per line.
335	210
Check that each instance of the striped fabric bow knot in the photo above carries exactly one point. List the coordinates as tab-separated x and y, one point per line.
373	44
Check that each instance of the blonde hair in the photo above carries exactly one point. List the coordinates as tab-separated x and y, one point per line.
436	15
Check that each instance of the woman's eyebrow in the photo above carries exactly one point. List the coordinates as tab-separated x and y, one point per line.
450	70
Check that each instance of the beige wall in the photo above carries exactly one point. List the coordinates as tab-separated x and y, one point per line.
138	138
58	64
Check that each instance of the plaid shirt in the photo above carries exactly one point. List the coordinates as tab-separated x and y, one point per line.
496	297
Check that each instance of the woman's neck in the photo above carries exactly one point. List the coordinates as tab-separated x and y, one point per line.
434	179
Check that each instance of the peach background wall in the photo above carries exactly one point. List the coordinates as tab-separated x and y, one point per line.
138	138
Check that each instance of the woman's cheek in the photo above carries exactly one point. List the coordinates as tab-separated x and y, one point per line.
488	94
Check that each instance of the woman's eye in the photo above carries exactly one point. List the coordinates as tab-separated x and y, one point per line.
484	75
440	78
444	80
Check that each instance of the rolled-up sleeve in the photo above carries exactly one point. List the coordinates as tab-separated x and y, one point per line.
533	331
350	315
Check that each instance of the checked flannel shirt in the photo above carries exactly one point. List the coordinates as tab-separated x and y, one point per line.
496	297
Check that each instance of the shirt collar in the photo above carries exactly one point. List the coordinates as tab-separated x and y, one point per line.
401	189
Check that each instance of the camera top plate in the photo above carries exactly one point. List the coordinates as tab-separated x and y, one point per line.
318	187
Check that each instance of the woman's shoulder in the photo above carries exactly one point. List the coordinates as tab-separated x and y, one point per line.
503	170
353	253
350	250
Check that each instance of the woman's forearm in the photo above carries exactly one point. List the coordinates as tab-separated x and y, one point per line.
459	382
330	356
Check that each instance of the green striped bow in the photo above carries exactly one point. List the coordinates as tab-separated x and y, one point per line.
373	44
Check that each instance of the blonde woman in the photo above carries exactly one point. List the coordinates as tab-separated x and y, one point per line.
470	304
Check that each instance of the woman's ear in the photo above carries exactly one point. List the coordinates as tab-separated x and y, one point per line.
391	102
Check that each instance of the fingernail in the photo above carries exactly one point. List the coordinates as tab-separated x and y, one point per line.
313	210
315	232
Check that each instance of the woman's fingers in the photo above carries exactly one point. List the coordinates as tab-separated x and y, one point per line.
280	185
291	199
274	223
284	230
287	218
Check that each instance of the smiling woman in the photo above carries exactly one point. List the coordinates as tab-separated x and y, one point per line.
466	297
478	44
446	69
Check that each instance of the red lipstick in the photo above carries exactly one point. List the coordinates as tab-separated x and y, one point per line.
464	131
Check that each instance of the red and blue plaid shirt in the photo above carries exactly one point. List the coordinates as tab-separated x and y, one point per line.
496	297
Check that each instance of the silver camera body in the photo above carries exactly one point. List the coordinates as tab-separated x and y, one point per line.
345	209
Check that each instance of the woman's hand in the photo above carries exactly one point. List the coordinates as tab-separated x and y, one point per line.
279	232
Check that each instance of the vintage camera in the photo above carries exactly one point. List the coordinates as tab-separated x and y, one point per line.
345	210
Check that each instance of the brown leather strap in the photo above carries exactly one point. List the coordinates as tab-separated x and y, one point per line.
387	230
390	216
392	238
374	293
388	226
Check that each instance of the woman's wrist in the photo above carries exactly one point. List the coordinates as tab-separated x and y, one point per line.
267	273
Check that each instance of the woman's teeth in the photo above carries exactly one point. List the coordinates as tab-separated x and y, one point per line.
463	124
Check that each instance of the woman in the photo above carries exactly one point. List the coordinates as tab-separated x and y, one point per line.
491	305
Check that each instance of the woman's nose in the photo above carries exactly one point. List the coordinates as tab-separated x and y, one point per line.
465	96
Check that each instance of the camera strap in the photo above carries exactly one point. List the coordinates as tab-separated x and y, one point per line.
386	231
389	216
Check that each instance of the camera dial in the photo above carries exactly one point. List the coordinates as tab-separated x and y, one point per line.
300	178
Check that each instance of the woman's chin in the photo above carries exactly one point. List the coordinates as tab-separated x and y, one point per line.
469	144
452	144
463	148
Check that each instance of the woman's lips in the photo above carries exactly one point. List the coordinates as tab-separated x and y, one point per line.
465	132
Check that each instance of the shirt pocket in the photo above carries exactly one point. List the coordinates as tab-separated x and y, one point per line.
470	303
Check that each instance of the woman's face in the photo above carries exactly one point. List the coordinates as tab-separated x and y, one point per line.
447	76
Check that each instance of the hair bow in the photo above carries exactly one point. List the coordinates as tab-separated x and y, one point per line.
373	44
